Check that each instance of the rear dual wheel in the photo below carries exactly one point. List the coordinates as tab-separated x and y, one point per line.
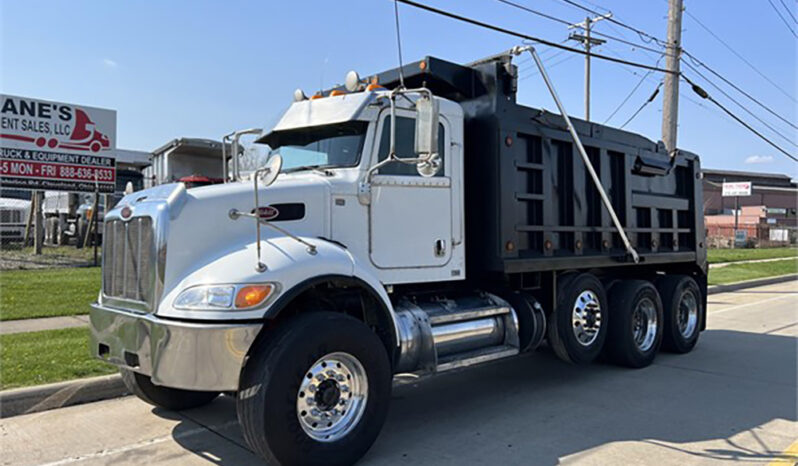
635	332
683	305
578	327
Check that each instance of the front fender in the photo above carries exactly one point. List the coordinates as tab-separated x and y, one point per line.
288	264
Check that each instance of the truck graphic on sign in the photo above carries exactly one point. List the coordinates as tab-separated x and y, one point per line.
84	136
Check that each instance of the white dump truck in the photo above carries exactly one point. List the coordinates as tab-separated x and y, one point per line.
413	222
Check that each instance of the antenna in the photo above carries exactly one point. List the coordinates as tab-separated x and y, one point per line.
398	43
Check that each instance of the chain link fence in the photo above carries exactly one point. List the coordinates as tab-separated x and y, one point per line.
751	236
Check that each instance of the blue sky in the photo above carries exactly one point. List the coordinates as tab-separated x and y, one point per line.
203	68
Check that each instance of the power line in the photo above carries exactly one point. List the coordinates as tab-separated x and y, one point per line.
568	23
788	11
648	101
398	43
527	37
783	19
753	99
739	104
643	35
743	59
705	95
634	89
535	72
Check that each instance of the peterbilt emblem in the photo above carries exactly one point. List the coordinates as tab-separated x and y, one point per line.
126	212
267	212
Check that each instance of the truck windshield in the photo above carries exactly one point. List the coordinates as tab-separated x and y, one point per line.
329	146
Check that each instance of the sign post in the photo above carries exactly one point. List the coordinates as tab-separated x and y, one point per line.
54	146
736	189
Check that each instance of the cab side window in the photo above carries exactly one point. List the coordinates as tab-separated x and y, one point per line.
405	146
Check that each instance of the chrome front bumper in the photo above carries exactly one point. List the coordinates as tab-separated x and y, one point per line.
191	356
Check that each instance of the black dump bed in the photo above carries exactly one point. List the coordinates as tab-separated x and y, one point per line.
531	204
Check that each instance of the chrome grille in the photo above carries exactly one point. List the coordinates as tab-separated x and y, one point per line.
129	260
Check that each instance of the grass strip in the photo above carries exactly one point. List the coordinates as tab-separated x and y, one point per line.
736	255
36	358
741	272
29	294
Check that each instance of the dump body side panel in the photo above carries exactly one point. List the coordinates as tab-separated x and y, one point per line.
531	205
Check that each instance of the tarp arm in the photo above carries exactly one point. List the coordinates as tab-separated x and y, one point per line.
519	50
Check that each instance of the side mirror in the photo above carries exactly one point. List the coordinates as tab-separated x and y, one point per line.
426	125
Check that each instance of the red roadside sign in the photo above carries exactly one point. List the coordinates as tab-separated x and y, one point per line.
56	146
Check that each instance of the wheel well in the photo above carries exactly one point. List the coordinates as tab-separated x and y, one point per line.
347	295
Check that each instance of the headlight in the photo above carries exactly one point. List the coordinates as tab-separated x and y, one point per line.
220	297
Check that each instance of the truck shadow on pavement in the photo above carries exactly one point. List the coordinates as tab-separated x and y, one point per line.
735	390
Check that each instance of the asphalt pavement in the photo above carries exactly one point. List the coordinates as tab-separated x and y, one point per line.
733	399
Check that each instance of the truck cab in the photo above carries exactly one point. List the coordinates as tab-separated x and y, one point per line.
406	224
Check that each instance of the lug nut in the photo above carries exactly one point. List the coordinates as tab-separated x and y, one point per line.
342	402
331	373
315	412
344	388
320	377
312	389
339	378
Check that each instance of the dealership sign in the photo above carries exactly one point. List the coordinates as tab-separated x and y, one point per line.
56	146
739	188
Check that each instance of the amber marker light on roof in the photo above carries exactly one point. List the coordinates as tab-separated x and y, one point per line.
253	295
337	92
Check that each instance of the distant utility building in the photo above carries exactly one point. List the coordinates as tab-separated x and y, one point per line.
765	218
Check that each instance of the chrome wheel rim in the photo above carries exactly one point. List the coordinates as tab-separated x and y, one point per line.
586	318
644	324
688	314
332	397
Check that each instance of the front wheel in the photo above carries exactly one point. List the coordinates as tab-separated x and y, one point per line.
315	391
169	398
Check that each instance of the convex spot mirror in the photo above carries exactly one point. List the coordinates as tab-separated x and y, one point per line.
429	167
271	169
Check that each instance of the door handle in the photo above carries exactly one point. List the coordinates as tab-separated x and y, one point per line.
440	248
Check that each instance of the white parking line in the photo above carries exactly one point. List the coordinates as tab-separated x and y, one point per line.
740	306
136	446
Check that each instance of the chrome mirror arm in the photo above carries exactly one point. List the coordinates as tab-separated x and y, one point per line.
235	214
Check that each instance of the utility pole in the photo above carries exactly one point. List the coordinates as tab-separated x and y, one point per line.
38	221
587	42
670	98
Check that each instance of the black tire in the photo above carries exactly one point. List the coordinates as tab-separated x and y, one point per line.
674	291
630	300
271	380
561	334
174	399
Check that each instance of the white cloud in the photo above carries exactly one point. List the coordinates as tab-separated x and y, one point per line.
109	63
759	159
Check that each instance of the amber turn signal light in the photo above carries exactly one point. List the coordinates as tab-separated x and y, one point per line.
252	295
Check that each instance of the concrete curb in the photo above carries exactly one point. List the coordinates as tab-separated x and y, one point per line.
751	283
59	395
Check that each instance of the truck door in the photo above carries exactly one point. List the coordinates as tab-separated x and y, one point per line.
410	215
